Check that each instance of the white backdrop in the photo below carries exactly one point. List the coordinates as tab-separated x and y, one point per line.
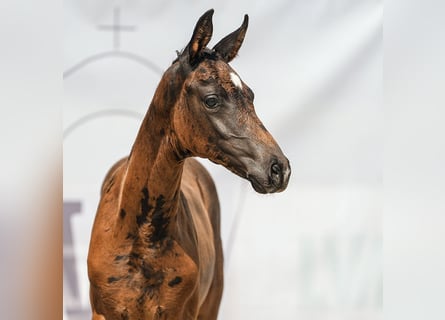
312	252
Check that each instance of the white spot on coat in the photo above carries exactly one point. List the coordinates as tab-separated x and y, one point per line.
236	80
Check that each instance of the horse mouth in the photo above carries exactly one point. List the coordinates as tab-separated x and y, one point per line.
259	187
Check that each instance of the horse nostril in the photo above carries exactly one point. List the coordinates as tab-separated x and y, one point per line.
276	174
276	169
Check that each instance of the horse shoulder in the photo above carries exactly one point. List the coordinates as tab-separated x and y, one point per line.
101	243
112	176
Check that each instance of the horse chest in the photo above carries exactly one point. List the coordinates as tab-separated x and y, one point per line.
146	284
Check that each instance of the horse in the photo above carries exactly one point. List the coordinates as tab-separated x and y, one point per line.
155	249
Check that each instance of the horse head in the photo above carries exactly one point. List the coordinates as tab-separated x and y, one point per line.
214	116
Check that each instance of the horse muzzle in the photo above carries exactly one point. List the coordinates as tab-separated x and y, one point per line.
272	178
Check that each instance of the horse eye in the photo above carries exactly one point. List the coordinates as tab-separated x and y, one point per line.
211	101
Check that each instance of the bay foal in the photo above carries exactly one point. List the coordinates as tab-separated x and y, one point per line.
155	249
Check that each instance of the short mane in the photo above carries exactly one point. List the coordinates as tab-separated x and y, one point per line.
206	53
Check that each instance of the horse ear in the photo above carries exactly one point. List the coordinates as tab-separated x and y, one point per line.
201	35
228	47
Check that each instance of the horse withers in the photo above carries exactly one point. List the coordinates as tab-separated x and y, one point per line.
155	249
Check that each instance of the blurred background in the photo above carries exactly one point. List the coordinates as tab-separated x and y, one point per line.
313	252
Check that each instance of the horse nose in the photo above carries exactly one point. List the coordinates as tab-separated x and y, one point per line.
279	174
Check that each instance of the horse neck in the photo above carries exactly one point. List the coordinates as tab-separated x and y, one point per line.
150	188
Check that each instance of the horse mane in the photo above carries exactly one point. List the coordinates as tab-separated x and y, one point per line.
204	54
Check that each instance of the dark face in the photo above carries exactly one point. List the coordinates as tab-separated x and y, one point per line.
215	119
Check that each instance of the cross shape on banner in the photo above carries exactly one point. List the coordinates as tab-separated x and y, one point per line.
116	27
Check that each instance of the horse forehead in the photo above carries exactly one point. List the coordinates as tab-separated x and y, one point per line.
214	67
236	80
228	74
228	78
